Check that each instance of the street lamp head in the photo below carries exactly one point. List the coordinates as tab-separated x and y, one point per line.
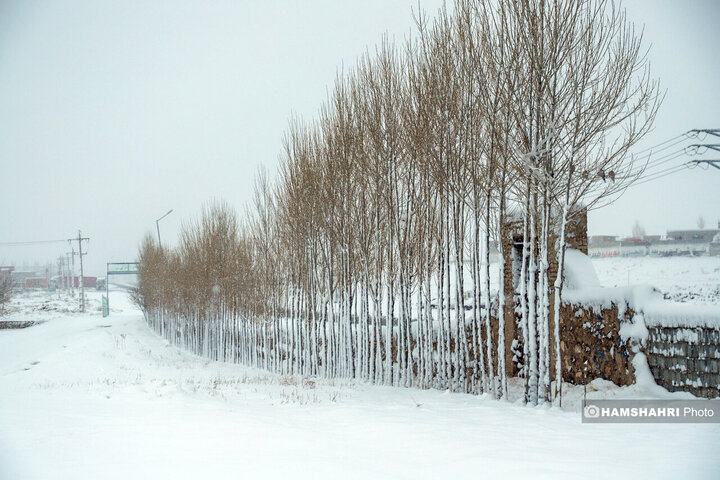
157	225
168	213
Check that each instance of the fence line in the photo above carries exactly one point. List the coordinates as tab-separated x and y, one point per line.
350	349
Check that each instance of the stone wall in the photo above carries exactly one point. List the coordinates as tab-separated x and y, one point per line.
592	347
685	359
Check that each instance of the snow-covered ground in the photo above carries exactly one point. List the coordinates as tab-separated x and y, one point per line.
86	397
682	279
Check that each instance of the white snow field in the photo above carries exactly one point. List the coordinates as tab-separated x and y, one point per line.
681	279
86	397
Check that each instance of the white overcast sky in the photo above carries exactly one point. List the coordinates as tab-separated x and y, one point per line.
113	112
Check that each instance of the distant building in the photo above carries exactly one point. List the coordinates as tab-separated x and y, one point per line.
634	242
714	248
600	241
88	282
676	242
692	236
20	278
6	271
36	282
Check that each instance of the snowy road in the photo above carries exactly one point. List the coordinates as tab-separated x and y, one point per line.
82	397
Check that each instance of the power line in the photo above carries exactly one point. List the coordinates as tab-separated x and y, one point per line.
661	174
664	159
682	137
656	150
650	172
35	242
657	175
653	176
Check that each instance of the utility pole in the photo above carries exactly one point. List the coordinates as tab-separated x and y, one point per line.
80	239
710	131
712	163
710	146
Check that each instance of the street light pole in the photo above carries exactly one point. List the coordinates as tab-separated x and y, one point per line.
157	225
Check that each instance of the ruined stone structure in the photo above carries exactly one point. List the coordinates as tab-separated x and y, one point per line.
577	238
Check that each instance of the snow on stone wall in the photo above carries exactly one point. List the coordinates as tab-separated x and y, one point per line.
685	359
670	314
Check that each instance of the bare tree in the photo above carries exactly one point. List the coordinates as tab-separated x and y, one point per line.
638	231
353	264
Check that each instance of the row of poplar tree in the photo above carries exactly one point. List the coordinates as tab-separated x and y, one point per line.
368	255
